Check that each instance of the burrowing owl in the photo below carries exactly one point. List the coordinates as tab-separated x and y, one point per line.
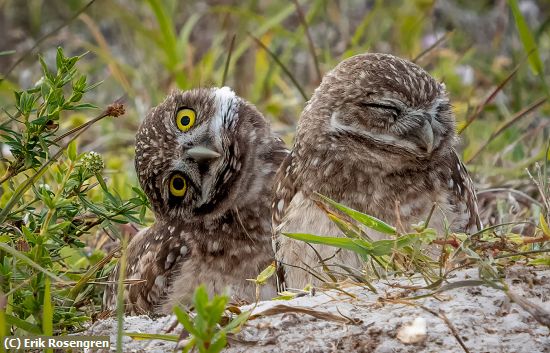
378	131
206	160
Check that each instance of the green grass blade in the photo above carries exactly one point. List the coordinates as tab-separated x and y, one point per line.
29	262
152	336
185	320
273	21
120	295
22	324
89	275
369	221
185	33
47	313
342	243
527	39
167	29
234	325
386	246
349	230
30	181
3	324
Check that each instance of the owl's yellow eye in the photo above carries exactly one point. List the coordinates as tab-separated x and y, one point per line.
178	185
185	118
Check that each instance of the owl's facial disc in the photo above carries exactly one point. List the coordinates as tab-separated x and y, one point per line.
196	151
209	154
391	125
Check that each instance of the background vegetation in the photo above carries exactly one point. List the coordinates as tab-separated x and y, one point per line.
62	211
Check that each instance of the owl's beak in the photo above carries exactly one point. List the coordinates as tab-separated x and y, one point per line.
201	154
426	135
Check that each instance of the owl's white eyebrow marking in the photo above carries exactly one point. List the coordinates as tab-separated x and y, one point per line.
225	101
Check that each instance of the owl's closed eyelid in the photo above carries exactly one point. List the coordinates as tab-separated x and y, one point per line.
395	110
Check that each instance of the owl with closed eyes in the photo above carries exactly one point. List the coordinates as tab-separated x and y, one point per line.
206	160
378	135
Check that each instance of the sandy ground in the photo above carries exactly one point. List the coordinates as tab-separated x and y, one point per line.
483	318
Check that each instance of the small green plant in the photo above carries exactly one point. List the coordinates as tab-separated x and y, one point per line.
404	253
206	332
212	320
52	198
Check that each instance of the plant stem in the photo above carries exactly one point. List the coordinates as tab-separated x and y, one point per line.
116	109
51	211
7	175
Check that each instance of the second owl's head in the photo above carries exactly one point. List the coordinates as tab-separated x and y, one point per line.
195	152
380	106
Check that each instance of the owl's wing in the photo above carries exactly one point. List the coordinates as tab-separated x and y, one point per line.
463	195
152	259
285	189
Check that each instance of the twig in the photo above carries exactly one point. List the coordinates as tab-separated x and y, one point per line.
118	102
281	308
538	312
491	96
46	36
281	65
540	188
442	316
498	226
309	40
437	43
397	211
513	191
228	60
524	112
115	110
429	218
308	270
524	253
439	314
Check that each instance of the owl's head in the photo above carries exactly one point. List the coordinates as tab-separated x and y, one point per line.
377	106
200	153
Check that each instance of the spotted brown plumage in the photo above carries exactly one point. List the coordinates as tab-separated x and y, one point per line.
377	132
206	159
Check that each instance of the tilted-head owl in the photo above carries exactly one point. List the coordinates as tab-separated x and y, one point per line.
206	160
378	132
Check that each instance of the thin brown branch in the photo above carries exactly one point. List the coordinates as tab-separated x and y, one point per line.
491	96
440	315
281	308
518	116
540	186
436	44
538	312
27	53
524	253
7	175
228	60
302	18
533	240
511	191
281	65
116	109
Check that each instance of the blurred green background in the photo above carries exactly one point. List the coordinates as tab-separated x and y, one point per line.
143	49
